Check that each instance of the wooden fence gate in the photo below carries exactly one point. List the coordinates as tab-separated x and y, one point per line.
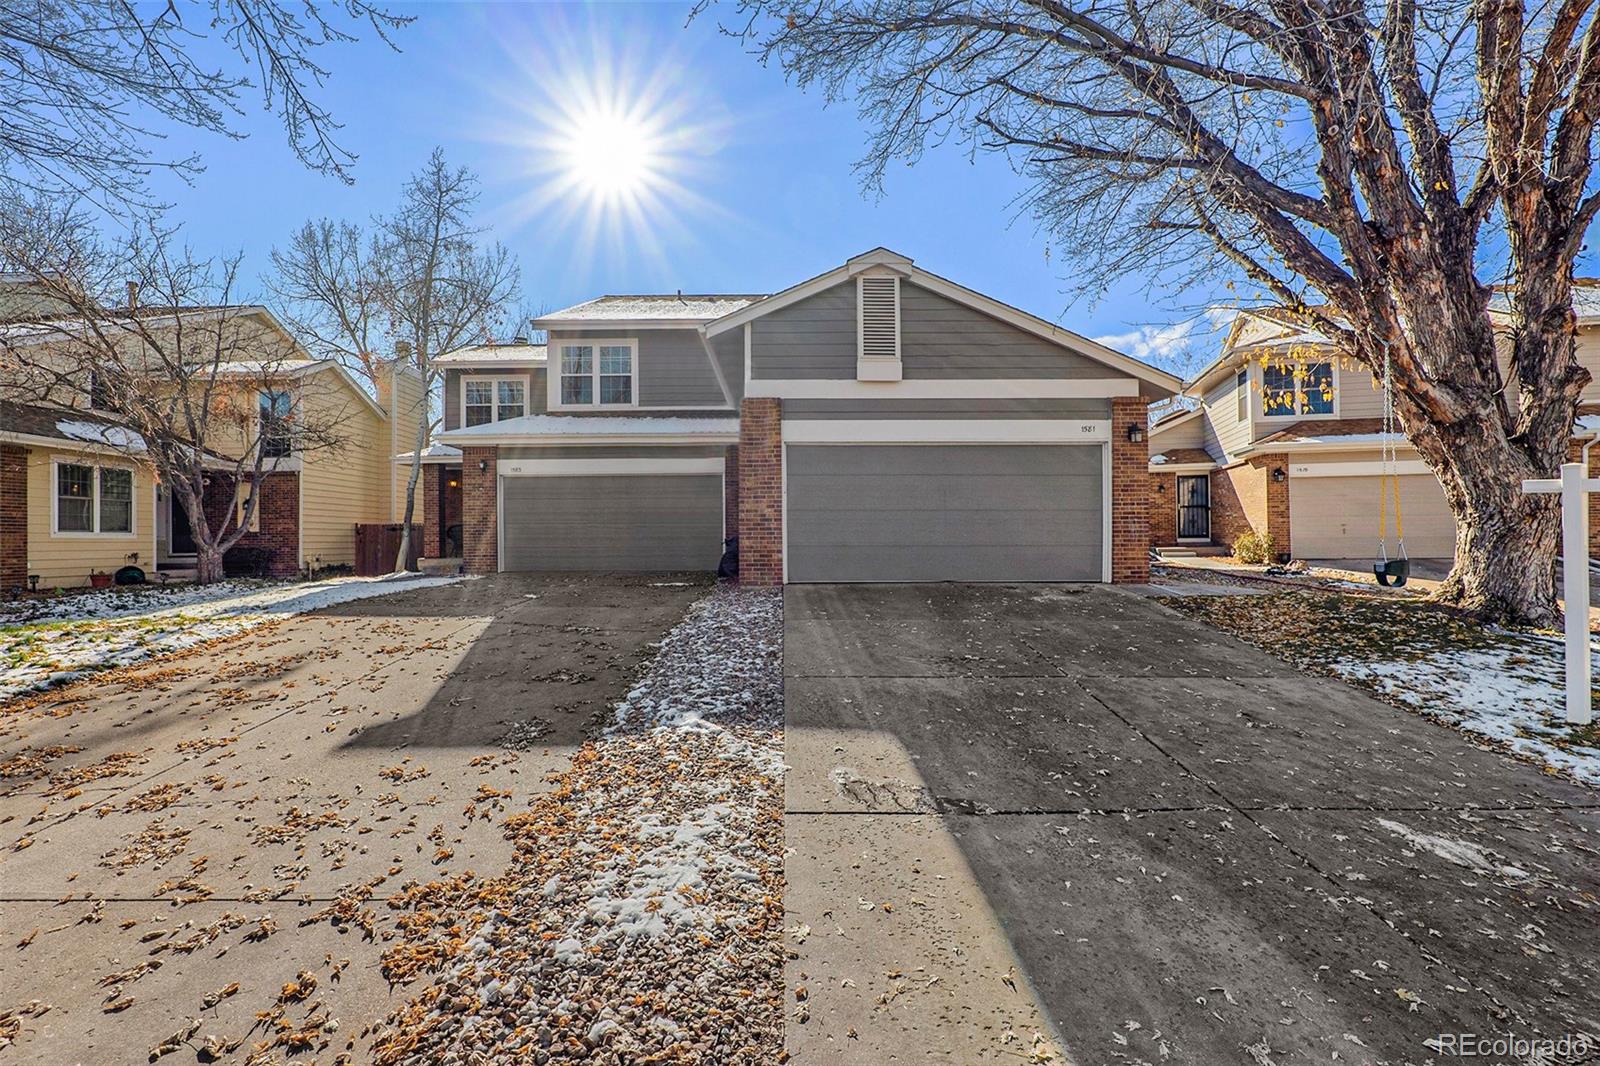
378	543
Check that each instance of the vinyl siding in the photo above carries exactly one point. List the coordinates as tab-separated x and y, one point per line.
814	339
535	376
64	561
1589	357
406	403
342	486
729	350
674	367
940	338
1190	433
901	409
1225	432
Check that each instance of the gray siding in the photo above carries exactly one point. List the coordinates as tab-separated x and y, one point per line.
940	338
947	513
812	339
623	522
900	409
674	368
452	390
729	350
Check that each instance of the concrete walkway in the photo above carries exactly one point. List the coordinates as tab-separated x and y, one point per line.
174	830
1187	850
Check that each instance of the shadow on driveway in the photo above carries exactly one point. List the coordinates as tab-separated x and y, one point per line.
1191	849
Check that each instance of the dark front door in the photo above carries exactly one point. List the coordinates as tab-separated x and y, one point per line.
180	538
1194	507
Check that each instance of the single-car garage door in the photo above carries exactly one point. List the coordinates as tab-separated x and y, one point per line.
1337	517
970	512
635	522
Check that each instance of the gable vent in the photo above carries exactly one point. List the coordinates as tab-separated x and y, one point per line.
878	351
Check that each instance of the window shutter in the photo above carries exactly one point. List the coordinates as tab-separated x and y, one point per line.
878	351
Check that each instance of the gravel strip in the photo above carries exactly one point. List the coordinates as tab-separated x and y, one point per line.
641	921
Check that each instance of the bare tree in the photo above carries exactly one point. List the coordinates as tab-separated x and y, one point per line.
1370	167
204	391
421	280
86	86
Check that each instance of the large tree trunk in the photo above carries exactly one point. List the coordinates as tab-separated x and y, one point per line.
208	564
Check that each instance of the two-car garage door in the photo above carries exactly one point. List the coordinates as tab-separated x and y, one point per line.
967	512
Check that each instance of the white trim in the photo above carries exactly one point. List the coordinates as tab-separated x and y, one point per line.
946	431
495	379
553	375
571	325
1405	468
944	389
535	440
716	370
1323	444
746	358
783	494
499	522
67	445
94	502
1297	416
1105	513
877	367
598	467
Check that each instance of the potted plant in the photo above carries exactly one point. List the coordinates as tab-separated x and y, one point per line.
100	579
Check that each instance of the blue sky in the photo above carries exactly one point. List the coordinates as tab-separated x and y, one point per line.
761	192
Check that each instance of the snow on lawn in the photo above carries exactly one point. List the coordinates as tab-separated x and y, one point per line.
1500	685
44	643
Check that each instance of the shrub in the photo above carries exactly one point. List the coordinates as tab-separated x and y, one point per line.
1253	547
239	561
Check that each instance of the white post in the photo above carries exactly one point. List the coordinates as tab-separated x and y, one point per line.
1574	489
1575	576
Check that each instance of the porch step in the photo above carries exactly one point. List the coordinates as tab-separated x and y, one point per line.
1190	551
173	575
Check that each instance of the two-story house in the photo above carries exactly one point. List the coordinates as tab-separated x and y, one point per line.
874	423
1286	438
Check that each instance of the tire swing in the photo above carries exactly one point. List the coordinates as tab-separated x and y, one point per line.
1390	573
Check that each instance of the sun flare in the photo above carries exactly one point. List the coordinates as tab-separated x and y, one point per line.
611	155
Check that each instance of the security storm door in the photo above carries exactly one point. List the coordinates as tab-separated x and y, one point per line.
1194	507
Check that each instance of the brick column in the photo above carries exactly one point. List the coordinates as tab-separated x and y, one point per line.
1130	492
730	492
1277	503
279	508
432	524
1164	509
760	492
480	524
13	518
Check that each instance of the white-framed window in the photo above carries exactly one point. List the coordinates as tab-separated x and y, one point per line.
1298	389
276	411
93	500
598	373
488	399
1241	385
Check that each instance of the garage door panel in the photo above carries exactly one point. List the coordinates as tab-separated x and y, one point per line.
944	513
940	492
1337	517
614	522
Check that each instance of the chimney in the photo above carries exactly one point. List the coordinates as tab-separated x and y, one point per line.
133	295
402	352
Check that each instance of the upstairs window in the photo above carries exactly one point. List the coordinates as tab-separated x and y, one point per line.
486	400
93	499
1241	386
1297	389
277	409
598	374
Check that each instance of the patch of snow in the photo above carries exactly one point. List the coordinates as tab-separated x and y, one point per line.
113	628
1461	852
1158	459
101	433
1354	438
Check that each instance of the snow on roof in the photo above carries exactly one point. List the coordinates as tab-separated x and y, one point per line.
694	308
496	353
435	450
597	425
100	433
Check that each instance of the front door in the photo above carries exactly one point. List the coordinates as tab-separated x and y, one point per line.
1194	507
180	538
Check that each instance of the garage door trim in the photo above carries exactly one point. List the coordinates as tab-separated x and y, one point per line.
520	468
1105	482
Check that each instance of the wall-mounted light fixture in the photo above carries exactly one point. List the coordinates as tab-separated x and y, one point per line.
1136	432
483	466
1161	487
454	483
1279	474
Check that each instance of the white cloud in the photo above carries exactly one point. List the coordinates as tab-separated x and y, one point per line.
1152	342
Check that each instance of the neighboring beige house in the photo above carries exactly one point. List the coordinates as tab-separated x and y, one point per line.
78	496
1286	438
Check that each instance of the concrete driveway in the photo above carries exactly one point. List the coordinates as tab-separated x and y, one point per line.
1068	811
193	841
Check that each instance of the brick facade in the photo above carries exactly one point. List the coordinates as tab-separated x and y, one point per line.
1277	515
432	527
13	518
1164	510
730	493
279	509
760	492
1245	498
480	531
1130	491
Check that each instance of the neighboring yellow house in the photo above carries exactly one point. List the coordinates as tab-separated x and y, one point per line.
77	495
